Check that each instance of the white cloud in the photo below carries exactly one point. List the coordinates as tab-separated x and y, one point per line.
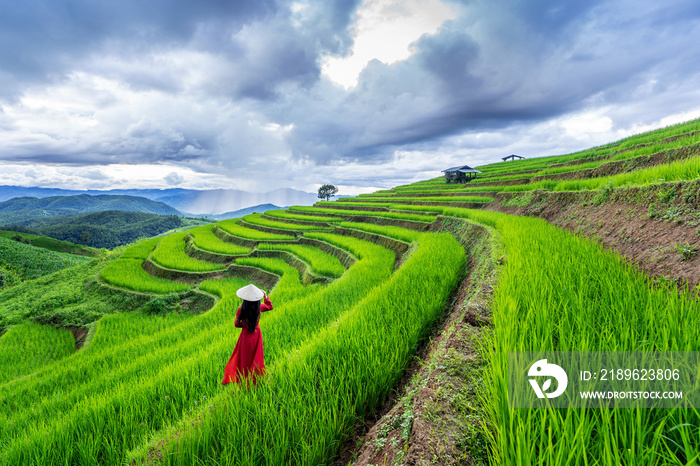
384	31
113	176
584	125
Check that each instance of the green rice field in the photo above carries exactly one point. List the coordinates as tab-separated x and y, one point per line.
145	386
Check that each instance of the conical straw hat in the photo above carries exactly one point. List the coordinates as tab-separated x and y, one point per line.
250	293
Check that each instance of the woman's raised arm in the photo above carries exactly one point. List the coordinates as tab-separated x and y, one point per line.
266	304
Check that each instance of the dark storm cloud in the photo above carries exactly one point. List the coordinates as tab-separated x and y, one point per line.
282	49
189	81
255	45
43	39
229	85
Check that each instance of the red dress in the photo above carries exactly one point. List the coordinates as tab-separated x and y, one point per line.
247	357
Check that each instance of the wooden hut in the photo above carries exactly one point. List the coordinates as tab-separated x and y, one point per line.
461	174
511	157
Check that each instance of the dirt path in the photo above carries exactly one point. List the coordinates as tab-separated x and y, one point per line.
436	416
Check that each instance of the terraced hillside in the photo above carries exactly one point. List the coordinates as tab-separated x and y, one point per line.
358	284
639	196
20	260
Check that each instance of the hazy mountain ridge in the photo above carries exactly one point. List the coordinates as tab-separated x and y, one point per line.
247	211
197	202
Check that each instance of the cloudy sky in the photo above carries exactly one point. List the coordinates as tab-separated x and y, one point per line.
263	94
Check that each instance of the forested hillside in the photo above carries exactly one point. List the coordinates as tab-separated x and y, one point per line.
107	229
32	211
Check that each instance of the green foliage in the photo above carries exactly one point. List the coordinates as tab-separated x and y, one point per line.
688	169
140	250
26	348
284	214
633	146
33	212
160	305
257	219
151	380
519	201
688	251
599	303
231	227
603	194
204	238
163	376
364	213
107	229
129	274
402	234
62	299
327	191
25	262
20	238
320	262
298	414
666	195
471	199
289	287
8	278
171	254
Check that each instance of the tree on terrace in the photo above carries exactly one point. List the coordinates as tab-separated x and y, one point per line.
327	191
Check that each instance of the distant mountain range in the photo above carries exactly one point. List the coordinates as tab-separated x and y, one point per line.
211	202
247	211
26	210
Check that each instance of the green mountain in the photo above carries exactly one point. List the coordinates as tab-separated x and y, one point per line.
32	211
50	243
107	229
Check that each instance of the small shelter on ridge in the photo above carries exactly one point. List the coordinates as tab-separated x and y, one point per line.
511	157
460	174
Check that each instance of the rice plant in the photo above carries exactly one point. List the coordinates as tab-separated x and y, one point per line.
304	409
157	379
27	347
559	292
129	274
31	262
289	287
205	239
320	262
472	199
284	214
402	234
171	254
140	250
233	228
257	219
364	213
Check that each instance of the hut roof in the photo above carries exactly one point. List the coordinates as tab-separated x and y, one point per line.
462	169
512	156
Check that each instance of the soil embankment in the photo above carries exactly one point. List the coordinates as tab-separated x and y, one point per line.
656	227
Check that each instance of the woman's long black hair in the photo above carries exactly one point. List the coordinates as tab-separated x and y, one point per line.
250	313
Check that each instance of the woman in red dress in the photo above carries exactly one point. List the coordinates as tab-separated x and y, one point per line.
247	357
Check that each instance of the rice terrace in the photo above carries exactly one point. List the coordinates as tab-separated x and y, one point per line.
395	313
